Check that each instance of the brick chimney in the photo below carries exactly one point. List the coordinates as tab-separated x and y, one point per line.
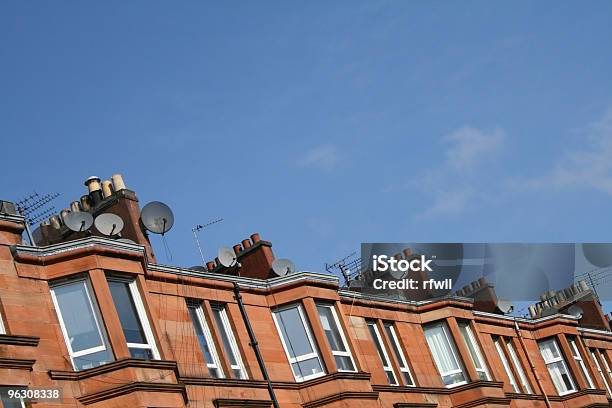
255	256
483	293
12	226
108	196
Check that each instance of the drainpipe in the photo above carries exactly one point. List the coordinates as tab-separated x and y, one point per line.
531	365
254	344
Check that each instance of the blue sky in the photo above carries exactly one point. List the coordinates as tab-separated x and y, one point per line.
319	124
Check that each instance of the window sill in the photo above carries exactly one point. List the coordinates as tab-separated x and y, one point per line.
18	340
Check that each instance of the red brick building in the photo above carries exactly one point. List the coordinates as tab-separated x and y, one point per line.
99	319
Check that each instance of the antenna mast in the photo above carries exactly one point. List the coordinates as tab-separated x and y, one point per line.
195	231
34	208
350	269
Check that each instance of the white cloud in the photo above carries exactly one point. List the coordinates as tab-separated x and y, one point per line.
325	157
452	187
589	167
469	146
447	203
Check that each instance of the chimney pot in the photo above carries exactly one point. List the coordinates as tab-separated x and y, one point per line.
246	243
93	183
63	214
118	183
583	285
237	248
107	188
255	238
85	203
55	221
75	206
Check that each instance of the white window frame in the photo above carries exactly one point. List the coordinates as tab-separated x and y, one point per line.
554	360
310	339
518	366
476	347
506	364
216	364
601	373
2	328
339	353
605	361
142	316
580	362
385	360
404	367
96	315
227	328
454	353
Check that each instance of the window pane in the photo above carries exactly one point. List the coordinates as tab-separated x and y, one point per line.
11	402
344	363
441	349
294	332
394	345
141	353
130	322
381	353
331	330
224	337
78	316
474	354
506	365
201	337
307	367
518	367
93	360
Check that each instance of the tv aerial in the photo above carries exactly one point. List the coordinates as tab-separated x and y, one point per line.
576	311
282	267
157	217
227	257
35	208
350	267
109	224
78	221
505	306
197	229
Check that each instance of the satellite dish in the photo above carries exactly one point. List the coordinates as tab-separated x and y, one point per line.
227	257
283	267
505	306
157	217
109	224
575	310
78	221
